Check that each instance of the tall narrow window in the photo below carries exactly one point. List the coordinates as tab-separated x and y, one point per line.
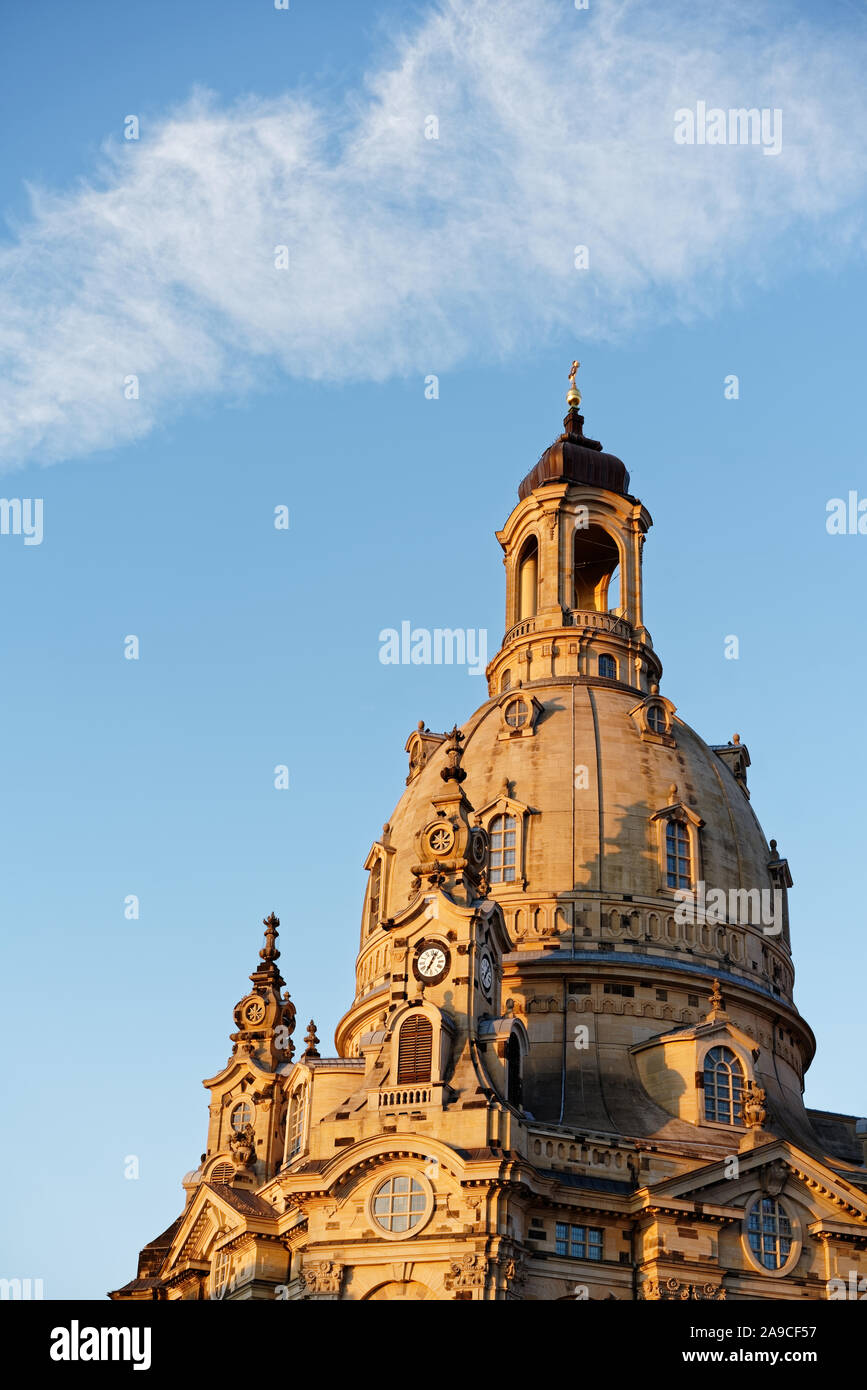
297	1113
723	1087
608	667
595	561
528	580
514	1081
503	836
373	900
414	1050
677	860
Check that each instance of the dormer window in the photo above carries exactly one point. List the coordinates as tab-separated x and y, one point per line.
656	720
677	856
678	840
516	713
723	1087
654	717
503	840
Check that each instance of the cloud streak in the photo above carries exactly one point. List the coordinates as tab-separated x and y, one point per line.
409	254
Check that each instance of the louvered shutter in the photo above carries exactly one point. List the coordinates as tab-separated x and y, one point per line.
414	1050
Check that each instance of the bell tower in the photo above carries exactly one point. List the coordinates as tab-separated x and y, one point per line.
572	551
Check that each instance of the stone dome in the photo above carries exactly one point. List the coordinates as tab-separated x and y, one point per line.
629	780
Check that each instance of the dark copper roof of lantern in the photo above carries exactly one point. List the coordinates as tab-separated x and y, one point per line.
573	458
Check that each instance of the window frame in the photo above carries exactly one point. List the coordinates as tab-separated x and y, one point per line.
692	823
298	1106
605	675
734	1104
241	1103
394	1172
795	1236
570	1240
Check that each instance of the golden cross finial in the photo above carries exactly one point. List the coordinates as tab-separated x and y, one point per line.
575	366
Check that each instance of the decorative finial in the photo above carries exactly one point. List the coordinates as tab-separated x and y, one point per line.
311	1040
716	999
270	951
573	396
736	738
672	793
453	772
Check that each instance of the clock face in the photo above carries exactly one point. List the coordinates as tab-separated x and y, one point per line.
431	962
486	973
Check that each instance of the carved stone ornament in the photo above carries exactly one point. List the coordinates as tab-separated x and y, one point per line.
242	1146
666	1289
755	1113
468	1273
322	1277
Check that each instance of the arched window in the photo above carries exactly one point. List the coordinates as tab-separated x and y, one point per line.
374	896
503	836
608	667
769	1232
656	719
242	1115
514	1080
415	1046
528	580
223	1173
596	559
297	1115
723	1087
678	868
505	681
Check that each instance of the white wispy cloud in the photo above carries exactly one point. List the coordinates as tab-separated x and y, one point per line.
410	254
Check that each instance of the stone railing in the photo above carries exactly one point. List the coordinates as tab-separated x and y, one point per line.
410	1095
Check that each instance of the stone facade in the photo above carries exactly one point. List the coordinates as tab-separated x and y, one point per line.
573	1066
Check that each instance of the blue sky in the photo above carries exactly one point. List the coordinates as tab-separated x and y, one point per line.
260	647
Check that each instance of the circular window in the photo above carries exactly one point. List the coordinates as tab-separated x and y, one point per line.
399	1204
242	1115
516	714
769	1232
441	838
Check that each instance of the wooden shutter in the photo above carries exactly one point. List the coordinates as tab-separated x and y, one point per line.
414	1050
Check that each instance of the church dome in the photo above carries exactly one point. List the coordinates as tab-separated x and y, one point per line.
573	458
599	836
